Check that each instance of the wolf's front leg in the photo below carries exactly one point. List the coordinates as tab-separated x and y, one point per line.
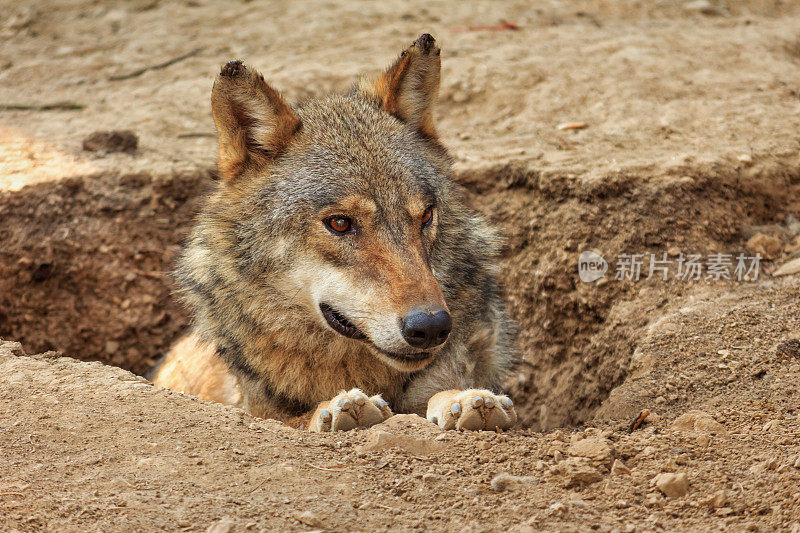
349	410
471	409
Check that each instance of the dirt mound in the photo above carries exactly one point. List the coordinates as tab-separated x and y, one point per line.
131	456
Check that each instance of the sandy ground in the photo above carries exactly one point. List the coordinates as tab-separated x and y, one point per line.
690	145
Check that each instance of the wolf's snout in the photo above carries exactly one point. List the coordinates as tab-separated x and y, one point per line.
424	329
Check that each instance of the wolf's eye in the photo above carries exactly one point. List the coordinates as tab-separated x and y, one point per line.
339	224
427	216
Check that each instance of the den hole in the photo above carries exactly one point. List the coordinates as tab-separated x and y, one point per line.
85	262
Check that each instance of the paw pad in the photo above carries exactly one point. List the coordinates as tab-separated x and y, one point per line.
472	410
350	410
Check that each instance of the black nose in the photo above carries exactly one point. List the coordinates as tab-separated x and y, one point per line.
423	329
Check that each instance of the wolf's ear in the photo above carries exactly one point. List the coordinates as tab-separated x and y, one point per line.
253	122
409	88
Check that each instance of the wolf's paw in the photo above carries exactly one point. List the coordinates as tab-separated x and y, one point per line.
471	409
349	410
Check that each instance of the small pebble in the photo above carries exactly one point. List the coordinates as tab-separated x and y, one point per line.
620	468
111	141
672	485
224	525
308	518
788	348
504	481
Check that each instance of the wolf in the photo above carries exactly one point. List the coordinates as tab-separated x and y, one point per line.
335	275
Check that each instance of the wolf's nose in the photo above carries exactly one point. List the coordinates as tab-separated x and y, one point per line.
423	329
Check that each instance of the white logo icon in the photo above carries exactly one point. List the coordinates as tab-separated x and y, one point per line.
591	266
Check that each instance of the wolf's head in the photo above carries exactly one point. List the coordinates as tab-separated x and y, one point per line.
331	215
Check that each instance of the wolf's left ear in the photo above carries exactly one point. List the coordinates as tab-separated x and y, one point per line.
409	88
253	122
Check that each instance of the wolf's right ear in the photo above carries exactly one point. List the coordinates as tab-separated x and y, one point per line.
253	122
410	87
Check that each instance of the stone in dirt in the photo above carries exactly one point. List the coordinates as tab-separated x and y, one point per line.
672	485
505	481
308	518
704	440
111	141
716	500
700	422
383	440
788	348
768	246
557	508
788	268
597	449
704	7
579	471
11	348
619	468
411	425
224	525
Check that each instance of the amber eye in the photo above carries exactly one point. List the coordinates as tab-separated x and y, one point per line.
339	224
427	216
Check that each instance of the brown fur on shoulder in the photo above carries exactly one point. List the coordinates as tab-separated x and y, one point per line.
193	367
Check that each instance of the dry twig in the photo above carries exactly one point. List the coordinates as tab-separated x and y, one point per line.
158	66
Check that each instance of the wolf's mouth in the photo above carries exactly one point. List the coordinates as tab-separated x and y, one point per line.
343	326
418	357
340	324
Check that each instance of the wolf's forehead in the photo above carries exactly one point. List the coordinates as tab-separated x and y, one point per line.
370	155
353	132
360	188
348	147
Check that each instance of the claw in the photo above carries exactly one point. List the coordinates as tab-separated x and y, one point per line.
325	415
489	403
507	402
455	409
381	402
345	405
477	401
434	420
360	400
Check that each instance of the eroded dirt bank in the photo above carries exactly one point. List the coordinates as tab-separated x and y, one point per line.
85	268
